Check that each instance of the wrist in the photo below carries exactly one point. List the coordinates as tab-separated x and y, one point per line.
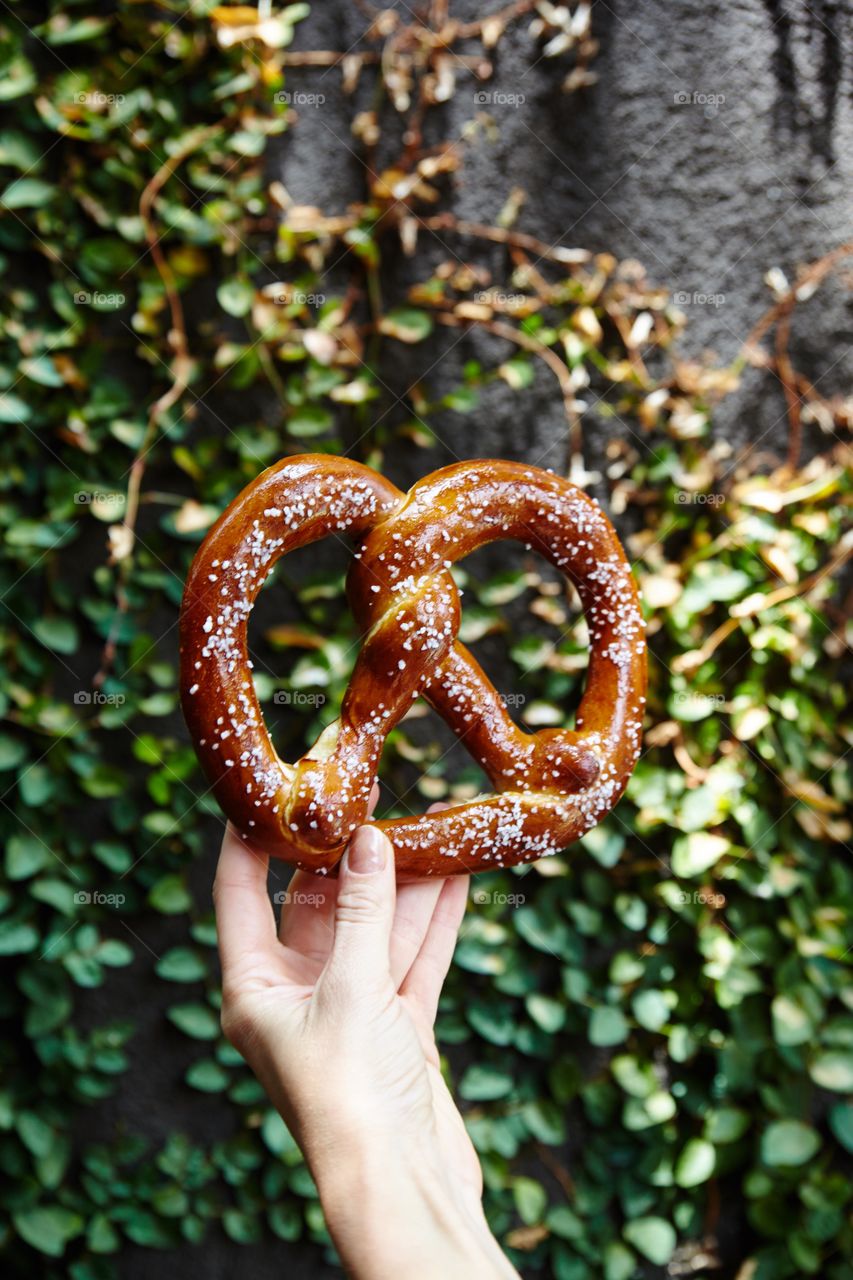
393	1212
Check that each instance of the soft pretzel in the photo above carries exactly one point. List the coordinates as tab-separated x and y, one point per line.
550	786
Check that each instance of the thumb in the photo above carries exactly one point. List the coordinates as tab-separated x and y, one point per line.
364	909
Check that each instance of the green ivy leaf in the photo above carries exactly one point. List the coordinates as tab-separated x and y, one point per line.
406	324
607	1026
59	634
101	1235
196	1020
841	1124
311	420
619	1263
653	1237
651	1009
696	1163
285	1221
483	1083
207	1076
25	855
789	1143
833	1070
236	297
48	1228
36	1134
182	964
546	1012
27	193
792	1023
726	1124
12	752
695	853
278	1138
17	937
115	953
241	1226
531	1199
170	896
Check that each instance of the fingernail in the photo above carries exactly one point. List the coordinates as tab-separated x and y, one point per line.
367	851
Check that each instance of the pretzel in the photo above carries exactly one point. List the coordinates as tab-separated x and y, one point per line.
550	786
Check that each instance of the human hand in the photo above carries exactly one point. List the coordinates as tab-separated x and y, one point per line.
334	1013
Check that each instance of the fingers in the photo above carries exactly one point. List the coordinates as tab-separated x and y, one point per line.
245	923
425	978
308	915
416	900
362	922
364	910
308	908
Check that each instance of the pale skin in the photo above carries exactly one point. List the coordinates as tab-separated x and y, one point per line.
334	1013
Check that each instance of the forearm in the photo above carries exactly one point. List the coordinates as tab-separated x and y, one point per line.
390	1214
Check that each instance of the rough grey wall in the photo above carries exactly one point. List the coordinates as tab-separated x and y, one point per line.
707	196
718	142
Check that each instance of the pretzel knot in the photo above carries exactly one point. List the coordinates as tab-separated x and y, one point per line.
550	786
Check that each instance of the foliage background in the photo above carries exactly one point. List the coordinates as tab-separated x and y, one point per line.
651	1036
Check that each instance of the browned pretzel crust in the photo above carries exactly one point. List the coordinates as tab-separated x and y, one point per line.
550	786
